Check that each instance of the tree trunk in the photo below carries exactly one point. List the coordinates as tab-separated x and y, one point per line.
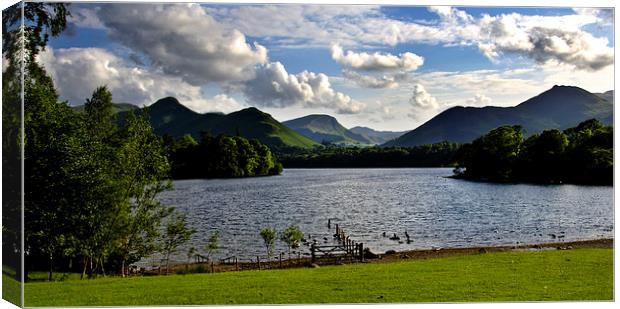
123	268
167	262
85	259
102	269
51	267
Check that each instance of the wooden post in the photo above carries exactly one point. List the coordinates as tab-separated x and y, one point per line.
313	253
236	264
337	230
362	252
280	259
258	261
212	269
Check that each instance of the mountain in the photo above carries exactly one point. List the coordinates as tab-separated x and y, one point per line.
168	116
608	96
324	128
376	137
560	107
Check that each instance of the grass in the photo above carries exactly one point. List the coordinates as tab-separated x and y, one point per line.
579	274
11	288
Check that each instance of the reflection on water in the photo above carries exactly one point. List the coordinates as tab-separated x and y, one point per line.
434	210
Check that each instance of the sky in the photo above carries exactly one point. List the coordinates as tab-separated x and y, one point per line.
384	67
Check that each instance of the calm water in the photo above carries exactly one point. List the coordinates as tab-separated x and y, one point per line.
434	210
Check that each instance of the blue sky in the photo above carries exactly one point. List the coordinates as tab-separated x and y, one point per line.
389	68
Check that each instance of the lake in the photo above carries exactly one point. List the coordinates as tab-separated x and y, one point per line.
435	211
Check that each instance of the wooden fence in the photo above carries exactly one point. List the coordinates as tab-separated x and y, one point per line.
345	250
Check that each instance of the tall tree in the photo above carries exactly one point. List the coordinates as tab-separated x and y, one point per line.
20	45
177	233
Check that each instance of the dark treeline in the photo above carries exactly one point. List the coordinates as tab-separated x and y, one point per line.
433	155
580	155
219	157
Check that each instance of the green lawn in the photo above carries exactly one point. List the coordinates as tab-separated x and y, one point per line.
580	274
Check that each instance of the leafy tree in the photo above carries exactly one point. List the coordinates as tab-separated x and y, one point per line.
213	243
269	236
493	155
141	173
292	235
190	254
177	233
20	45
583	154
543	156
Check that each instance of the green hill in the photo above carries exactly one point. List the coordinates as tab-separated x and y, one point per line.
168	116
324	128
560	107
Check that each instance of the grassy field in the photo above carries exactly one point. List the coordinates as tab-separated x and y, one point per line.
579	274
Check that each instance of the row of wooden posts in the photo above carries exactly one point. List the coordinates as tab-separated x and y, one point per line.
346	247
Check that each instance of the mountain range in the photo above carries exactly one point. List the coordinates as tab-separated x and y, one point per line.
560	107
168	116
327	129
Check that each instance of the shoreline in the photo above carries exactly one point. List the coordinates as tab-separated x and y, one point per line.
446	252
389	256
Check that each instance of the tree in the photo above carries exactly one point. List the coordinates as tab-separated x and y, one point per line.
177	233
493	155
140	175
269	237
190	254
20	45
213	244
292	236
543	156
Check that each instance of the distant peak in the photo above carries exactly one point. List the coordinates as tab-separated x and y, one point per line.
168	100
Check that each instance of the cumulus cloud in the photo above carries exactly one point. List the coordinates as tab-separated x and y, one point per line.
536	39
78	71
421	98
222	103
183	40
495	36
376	70
85	17
369	81
376	61
479	100
273	86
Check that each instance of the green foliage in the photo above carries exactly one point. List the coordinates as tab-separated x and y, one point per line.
583	154
220	157
269	236
292	236
213	243
439	154
548	275
177	232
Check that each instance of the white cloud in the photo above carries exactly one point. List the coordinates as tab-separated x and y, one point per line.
85	17
369	81
376	61
273	86
495	36
479	100
379	70
543	41
421	98
218	103
78	71
183	40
